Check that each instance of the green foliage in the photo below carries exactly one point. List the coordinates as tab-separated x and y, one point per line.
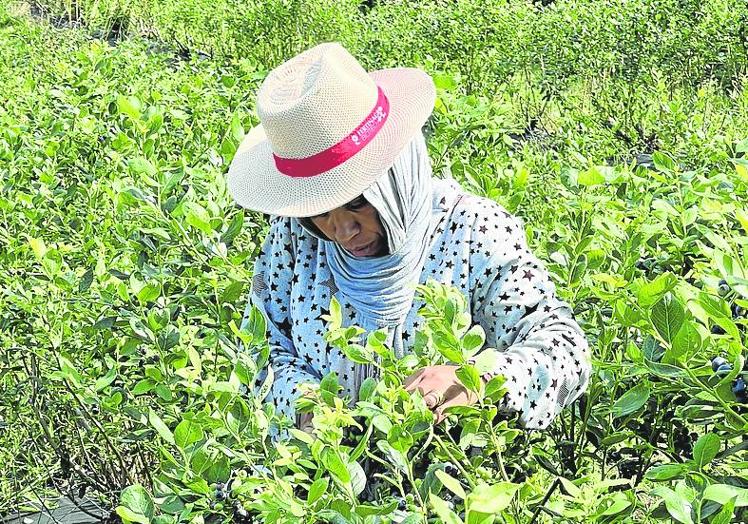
616	130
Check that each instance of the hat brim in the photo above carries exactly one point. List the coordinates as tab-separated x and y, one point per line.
255	182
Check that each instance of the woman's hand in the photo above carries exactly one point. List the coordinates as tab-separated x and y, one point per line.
441	389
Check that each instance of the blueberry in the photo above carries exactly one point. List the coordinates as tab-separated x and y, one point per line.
451	470
723	288
738	387
401	504
717	362
717	330
724	369
738	311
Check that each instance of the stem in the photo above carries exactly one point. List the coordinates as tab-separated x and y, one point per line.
456	462
411	479
494	441
96	423
545	499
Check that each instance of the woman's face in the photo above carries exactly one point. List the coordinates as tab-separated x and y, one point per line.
356	227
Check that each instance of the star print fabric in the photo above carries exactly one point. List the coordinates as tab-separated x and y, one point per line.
531	336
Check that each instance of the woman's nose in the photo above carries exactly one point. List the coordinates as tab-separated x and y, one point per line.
345	226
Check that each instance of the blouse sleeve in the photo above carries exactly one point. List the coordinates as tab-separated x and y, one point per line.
273	273
532	337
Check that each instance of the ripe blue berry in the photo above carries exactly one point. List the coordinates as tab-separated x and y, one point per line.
723	288
738	387
724	369
717	362
738	311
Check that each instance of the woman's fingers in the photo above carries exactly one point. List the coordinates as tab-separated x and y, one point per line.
456	395
440	389
433	398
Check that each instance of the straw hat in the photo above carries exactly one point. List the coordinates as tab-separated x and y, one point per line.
328	131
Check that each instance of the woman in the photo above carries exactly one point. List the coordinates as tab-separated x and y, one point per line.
341	163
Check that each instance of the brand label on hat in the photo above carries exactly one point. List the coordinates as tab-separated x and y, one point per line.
370	126
343	150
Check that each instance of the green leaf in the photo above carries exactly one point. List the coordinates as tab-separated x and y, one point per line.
590	177
725	514
197	216
149	292
161	428
632	400
492	499
358	477
723	493
363	444
128	516
705	449
106	380
473	340
187	432
618	505
470	378
579	269
358	354
317	489
130	106
367	388
136	503
329	383
86	281
667	317
233	229
663	162
686	342
677	505
719	311
444	81
163	392
38	246
142	165
68	371
451	483
448	346
334	463
446	515
648	293
143	386
666	472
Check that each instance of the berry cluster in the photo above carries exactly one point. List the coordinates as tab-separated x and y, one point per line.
222	495
683	440
721	367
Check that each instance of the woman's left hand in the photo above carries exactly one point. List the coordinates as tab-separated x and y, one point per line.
441	389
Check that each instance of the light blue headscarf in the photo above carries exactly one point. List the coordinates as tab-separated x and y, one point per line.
411	206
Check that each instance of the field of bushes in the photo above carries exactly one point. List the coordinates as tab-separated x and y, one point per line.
617	131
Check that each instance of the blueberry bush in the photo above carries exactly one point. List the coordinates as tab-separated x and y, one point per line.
129	377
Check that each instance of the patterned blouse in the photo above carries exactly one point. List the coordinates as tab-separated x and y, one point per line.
482	251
